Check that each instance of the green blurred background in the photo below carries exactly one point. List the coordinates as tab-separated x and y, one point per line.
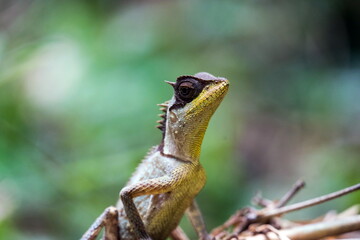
80	80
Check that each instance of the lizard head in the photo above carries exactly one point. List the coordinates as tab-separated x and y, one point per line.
188	113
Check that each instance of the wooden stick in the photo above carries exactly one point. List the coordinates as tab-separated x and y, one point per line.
178	234
268	213
291	193
314	231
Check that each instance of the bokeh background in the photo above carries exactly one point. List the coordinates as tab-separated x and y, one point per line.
80	80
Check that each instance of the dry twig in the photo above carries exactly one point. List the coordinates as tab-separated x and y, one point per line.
259	220
300	184
265	214
314	231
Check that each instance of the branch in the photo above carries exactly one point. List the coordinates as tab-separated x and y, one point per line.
268	213
314	231
251	221
300	184
178	234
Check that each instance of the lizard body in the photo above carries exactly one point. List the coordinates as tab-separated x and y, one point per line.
166	182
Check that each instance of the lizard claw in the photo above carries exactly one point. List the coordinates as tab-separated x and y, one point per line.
145	238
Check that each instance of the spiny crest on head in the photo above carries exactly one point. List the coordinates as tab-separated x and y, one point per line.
163	108
171	83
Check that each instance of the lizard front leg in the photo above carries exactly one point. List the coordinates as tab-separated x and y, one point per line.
109	220
147	187
196	219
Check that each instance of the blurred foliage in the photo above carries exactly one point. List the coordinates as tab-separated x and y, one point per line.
79	83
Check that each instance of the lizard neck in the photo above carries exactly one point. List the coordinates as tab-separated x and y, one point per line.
183	139
184	149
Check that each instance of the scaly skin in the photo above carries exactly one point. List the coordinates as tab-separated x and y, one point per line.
165	184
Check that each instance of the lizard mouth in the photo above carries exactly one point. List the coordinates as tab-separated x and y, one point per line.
212	95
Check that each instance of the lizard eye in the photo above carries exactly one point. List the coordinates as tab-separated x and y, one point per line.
187	90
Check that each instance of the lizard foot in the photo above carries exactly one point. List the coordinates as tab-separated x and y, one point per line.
145	237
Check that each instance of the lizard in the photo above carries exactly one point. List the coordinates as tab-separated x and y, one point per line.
164	185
